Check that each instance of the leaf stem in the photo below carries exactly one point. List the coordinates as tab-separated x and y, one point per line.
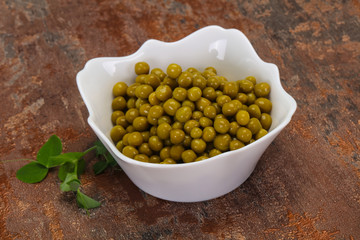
89	150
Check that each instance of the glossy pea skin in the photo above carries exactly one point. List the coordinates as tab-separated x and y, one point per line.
265	121
196	133
190	124
262	89
251	97
135	139
141	157
202	103
244	134
144	109
242	117
210	111
117	133
188	103
142	68
145	149
254	111
242	97
188	156
163	131
199	81
118	103
179	94
171	106
221	125
213	152
236	144
222	142
122	121
152	80
173	70
209	134
251	79
154	159
159	73
165	153
168	161
130	151
231	89
197	115
213	82
171	82
231	108
198	145
140	123
155	143
119	89
176	151
262	132
156	111
183	114
194	94
177	136
209	93
153	100
163	92
234	126
185	79
131	114
264	104
115	115
205	122
164	118
221	100
246	86
254	125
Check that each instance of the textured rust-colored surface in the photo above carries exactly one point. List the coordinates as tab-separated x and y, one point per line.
307	183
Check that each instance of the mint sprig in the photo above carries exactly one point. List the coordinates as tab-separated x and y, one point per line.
71	166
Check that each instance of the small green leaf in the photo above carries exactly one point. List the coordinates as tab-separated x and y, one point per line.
71	183
86	202
81	166
100	148
32	173
63	158
110	159
99	167
64	169
52	147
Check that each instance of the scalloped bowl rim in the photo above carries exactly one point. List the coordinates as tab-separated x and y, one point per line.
140	52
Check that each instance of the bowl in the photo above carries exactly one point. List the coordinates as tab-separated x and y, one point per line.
231	53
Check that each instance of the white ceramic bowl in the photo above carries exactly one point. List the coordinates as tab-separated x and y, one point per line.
231	53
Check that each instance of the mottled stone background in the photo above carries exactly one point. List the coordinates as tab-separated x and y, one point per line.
307	183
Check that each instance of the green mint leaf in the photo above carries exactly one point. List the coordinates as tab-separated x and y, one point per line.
64	169
52	147
100	148
99	167
86	202
32	173
71	183
63	158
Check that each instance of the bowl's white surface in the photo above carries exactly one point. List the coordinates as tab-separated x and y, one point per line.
231	53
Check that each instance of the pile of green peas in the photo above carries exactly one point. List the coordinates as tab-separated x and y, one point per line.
186	116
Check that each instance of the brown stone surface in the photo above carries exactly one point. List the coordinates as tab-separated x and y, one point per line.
307	183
